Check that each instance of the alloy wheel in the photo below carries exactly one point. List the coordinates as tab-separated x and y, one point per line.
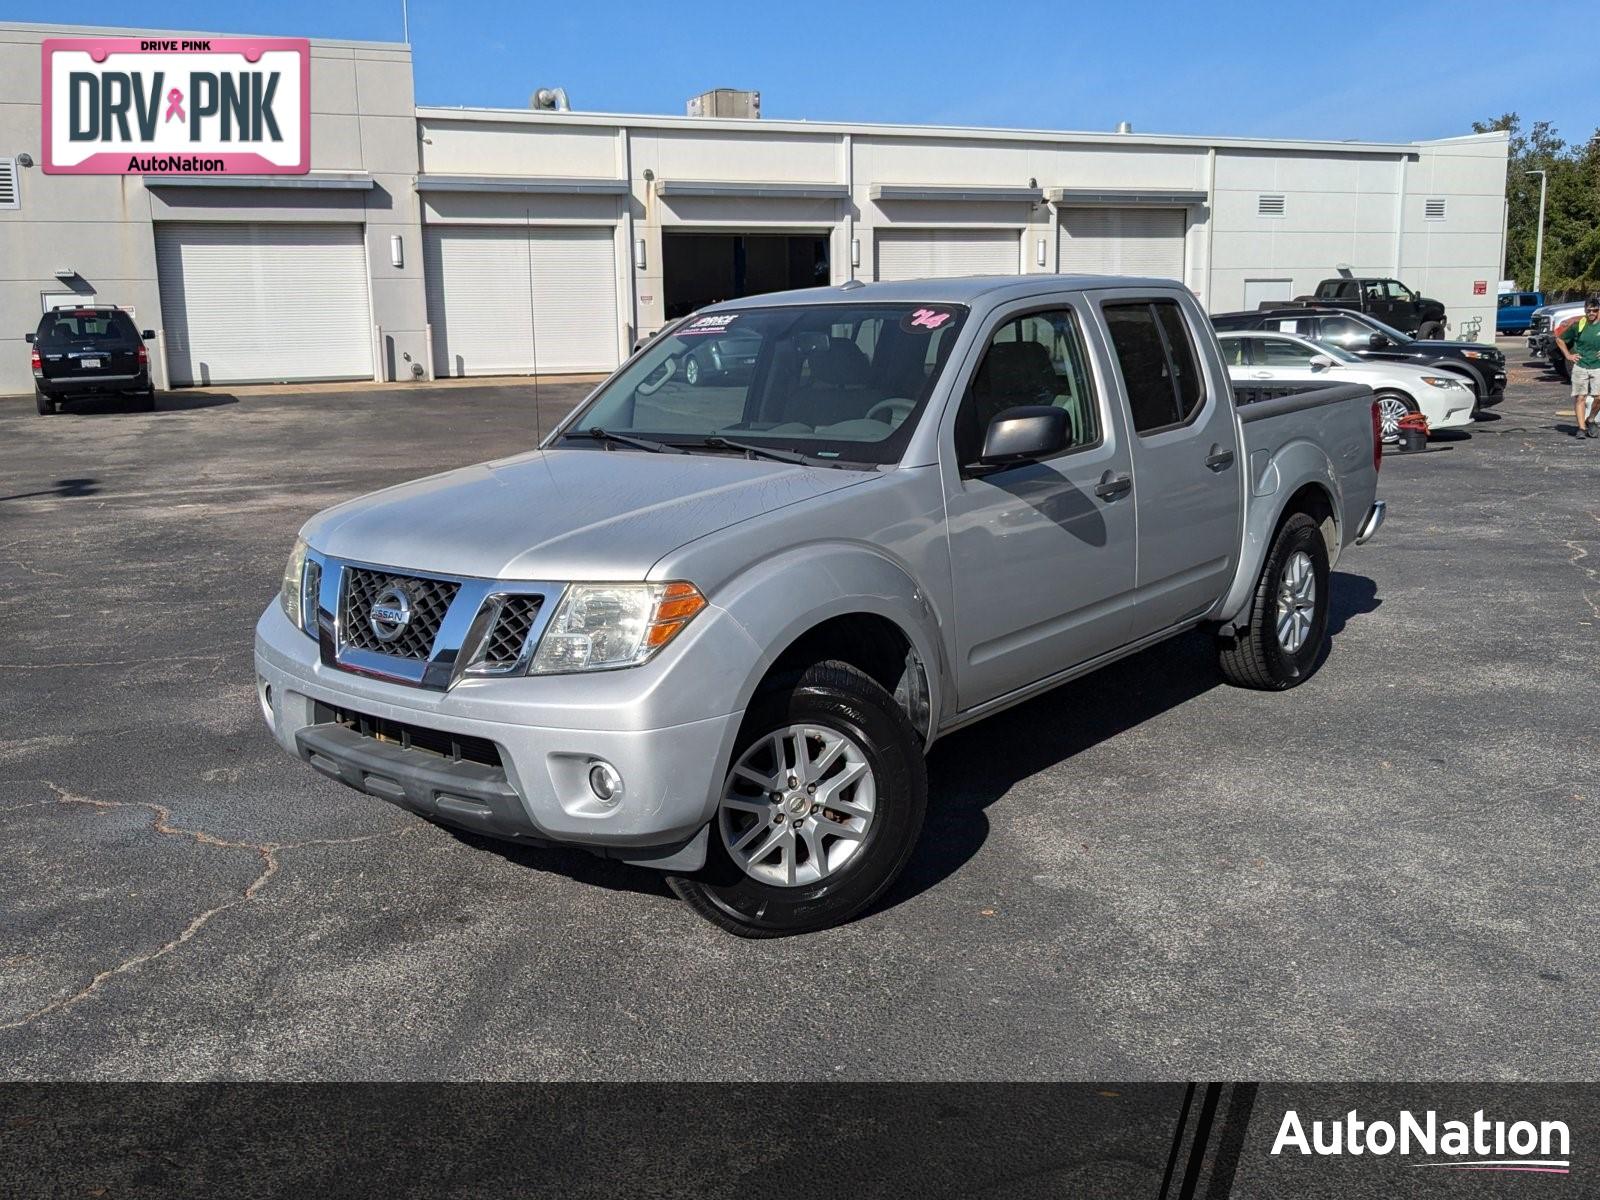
798	805
1297	601
1390	412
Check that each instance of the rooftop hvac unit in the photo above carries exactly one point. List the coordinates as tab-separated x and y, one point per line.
726	102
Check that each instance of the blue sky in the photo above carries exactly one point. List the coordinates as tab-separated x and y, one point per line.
1391	71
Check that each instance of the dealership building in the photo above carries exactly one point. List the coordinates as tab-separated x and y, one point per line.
431	242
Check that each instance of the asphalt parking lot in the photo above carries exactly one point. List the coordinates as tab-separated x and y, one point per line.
1388	873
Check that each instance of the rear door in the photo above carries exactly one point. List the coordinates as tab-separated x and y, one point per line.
1185	469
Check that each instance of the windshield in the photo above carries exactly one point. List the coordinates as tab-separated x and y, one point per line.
1336	352
1388	331
831	381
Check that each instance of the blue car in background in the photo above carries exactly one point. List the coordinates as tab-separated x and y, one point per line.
1516	311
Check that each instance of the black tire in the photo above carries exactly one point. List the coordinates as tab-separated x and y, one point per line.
1563	370
840	698
1430	331
44	405
1253	657
145	401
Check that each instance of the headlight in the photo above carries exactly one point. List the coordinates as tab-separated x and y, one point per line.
1439	381
603	626
302	577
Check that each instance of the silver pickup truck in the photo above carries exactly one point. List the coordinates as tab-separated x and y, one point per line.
714	622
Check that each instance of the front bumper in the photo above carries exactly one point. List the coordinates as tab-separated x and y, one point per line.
546	731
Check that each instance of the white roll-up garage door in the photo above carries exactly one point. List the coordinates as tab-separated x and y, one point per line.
254	303
1123	241
498	294
930	253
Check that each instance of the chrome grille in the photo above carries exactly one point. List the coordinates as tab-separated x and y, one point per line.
504	644
429	600
1541	323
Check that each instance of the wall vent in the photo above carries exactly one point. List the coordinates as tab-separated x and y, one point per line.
1433	210
10	185
1269	205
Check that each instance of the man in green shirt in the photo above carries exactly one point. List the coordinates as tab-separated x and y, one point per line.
1579	343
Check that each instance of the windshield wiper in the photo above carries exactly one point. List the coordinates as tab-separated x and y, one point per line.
623	439
718	442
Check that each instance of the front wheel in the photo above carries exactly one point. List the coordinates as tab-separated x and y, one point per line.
820	809
1282	642
692	371
1430	331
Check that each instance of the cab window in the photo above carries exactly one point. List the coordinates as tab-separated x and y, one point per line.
1035	359
1160	369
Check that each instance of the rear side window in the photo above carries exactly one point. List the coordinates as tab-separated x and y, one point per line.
1159	367
87	325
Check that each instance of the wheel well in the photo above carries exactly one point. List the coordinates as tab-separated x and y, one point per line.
875	646
1313	500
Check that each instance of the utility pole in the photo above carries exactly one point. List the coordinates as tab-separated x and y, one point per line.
1538	249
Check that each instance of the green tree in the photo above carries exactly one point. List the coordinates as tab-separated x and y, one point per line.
1572	206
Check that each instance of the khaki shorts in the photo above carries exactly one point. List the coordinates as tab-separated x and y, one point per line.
1585	381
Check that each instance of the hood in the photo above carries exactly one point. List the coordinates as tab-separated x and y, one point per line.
564	514
1431	346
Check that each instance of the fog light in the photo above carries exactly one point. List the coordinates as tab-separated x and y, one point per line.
605	783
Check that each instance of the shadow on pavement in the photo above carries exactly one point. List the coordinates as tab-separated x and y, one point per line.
971	769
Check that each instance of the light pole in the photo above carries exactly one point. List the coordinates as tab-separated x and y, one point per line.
1538	247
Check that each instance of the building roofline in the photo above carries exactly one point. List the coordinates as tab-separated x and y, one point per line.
522	116
55	30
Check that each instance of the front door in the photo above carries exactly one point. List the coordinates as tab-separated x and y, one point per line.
1042	554
1185	469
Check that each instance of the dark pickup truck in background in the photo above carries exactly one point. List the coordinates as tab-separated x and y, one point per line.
1389	300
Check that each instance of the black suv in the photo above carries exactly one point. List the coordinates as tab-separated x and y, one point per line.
89	352
1369	337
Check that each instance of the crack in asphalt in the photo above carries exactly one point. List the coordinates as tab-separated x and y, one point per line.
162	825
1578	555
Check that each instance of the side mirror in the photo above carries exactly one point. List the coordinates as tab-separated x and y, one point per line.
1377	341
1025	434
149	335
28	337
1321	362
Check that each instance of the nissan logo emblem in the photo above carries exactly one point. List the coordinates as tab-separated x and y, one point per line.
390	614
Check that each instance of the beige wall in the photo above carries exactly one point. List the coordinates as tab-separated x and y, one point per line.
102	226
1352	203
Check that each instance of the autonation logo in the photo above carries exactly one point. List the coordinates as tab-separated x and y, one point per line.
1476	1145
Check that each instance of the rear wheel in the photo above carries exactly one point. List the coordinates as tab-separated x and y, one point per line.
692	373
43	403
145	401
1282	643
820	810
1392	406
1430	331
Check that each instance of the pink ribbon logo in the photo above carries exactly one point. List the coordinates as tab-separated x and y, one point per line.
175	105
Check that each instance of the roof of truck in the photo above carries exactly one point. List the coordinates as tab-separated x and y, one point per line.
964	289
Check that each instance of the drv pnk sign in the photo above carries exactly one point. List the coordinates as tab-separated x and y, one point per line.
174	106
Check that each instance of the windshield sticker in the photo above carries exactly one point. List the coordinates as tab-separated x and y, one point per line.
705	325
926	320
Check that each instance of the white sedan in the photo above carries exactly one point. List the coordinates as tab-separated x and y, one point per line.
1447	401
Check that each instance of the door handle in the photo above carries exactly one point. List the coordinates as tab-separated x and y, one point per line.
1219	459
1112	486
1261	374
